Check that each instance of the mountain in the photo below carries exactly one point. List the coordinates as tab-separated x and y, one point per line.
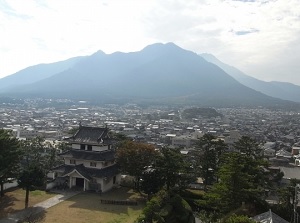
35	73
160	74
282	90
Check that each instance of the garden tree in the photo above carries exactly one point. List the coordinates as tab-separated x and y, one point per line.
151	182
51	152
208	157
286	200
167	207
10	156
253	153
239	182
134	158
173	169
62	146
207	217
238	219
38	159
248	146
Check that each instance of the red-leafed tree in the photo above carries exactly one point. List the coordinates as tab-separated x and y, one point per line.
134	158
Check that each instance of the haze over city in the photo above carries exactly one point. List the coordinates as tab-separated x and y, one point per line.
259	37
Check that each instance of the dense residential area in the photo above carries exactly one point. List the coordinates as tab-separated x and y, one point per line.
208	164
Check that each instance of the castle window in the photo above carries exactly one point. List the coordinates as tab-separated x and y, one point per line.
82	146
89	148
93	164
73	162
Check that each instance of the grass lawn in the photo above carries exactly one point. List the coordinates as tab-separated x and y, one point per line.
86	207
14	200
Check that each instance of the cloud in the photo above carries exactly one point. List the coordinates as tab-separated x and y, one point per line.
251	35
9	11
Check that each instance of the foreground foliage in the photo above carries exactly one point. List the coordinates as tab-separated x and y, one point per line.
134	158
37	160
10	155
167	207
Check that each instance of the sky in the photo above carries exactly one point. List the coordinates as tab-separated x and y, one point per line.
259	37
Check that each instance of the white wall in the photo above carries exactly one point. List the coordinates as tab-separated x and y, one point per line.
94	148
87	163
99	148
10	185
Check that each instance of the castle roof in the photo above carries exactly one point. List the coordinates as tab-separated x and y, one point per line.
90	135
107	155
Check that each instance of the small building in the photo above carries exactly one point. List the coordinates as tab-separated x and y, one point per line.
289	173
269	217
295	150
90	163
268	152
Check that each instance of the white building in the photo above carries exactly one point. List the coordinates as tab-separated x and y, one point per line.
90	163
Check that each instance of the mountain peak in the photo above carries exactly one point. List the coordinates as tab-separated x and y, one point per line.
161	46
98	53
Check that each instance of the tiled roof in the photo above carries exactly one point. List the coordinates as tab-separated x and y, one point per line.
88	173
90	135
106	155
269	217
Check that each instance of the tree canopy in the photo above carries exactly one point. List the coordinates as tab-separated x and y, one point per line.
242	177
38	159
208	157
173	168
134	158
10	155
167	207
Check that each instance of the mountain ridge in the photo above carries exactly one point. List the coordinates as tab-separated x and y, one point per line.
159	73
277	89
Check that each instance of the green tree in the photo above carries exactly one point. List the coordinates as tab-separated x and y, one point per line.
208	158
134	158
151	182
231	191
249	147
241	180
167	207
62	146
38	159
31	178
239	219
10	156
286	200
173	168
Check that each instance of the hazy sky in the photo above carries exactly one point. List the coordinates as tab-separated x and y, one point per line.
260	37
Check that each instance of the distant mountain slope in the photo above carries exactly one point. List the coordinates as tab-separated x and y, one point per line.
282	90
36	73
160	73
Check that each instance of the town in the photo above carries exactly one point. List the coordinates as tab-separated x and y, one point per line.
56	120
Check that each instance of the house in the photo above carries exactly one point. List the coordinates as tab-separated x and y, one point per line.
268	152
283	153
295	150
289	173
269	217
90	163
233	137
270	145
